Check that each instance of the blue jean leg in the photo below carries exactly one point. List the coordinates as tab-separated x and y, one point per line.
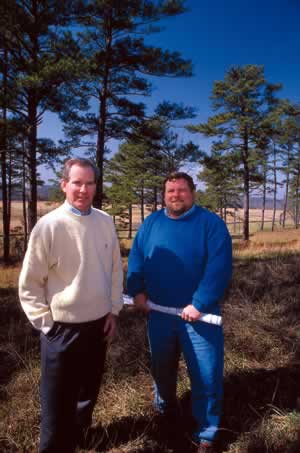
203	348
164	348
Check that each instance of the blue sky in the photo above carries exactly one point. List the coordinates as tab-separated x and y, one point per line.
216	35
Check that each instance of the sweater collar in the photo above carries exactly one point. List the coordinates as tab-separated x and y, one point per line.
182	216
76	211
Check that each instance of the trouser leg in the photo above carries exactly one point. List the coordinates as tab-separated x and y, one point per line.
164	360
58	390
203	349
91	372
65	381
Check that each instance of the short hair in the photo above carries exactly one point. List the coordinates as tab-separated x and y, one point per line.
180	175
81	162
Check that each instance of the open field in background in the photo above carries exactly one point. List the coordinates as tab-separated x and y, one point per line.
235	229
262	366
17	213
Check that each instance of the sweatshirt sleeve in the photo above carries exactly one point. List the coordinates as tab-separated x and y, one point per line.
117	276
218	270
32	280
135	274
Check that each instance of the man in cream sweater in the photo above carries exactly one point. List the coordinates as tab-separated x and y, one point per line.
70	288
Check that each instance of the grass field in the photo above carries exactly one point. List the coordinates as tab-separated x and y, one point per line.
261	379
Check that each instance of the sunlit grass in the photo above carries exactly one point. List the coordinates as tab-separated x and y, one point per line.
277	433
268	244
9	276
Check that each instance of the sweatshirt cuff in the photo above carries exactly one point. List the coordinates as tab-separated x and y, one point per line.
44	324
117	307
202	307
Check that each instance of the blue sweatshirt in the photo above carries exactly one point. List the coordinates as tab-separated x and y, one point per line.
181	261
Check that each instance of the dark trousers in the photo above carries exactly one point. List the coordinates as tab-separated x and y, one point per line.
72	357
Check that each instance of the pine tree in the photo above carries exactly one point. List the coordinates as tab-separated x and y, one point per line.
242	102
39	64
288	147
222	183
117	63
138	169
125	174
5	102
294	189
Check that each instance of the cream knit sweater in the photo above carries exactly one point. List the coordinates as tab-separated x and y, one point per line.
72	270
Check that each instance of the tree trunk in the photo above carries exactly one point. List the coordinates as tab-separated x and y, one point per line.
297	198
246	188
234	221
32	163
264	196
3	150
142	204
275	187
32	133
5	210
287	188
24	207
98	199
246	209
130	222
100	147
9	193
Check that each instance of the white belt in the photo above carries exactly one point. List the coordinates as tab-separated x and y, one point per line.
205	317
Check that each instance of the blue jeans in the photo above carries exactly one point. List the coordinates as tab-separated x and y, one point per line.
203	350
72	358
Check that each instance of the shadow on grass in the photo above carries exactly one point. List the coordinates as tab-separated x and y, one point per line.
17	338
254	395
159	434
9	309
250	397
259	446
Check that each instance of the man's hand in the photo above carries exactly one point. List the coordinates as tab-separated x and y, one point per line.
140	302
190	313
110	326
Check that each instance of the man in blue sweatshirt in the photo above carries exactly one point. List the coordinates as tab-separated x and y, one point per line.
182	258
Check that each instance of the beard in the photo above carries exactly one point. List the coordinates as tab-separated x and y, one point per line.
175	211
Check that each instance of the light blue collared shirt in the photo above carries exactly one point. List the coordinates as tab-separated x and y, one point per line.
76	211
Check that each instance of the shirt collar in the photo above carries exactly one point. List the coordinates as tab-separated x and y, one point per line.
76	211
185	214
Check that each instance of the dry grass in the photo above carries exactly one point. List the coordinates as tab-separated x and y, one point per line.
17	215
262	368
281	237
267	243
277	433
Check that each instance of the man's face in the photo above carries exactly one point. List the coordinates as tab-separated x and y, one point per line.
80	188
179	198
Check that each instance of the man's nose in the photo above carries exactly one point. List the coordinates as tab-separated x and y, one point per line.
83	188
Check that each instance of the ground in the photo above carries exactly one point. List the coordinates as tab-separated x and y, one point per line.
261	379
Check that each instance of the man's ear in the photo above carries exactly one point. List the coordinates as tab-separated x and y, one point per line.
63	185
